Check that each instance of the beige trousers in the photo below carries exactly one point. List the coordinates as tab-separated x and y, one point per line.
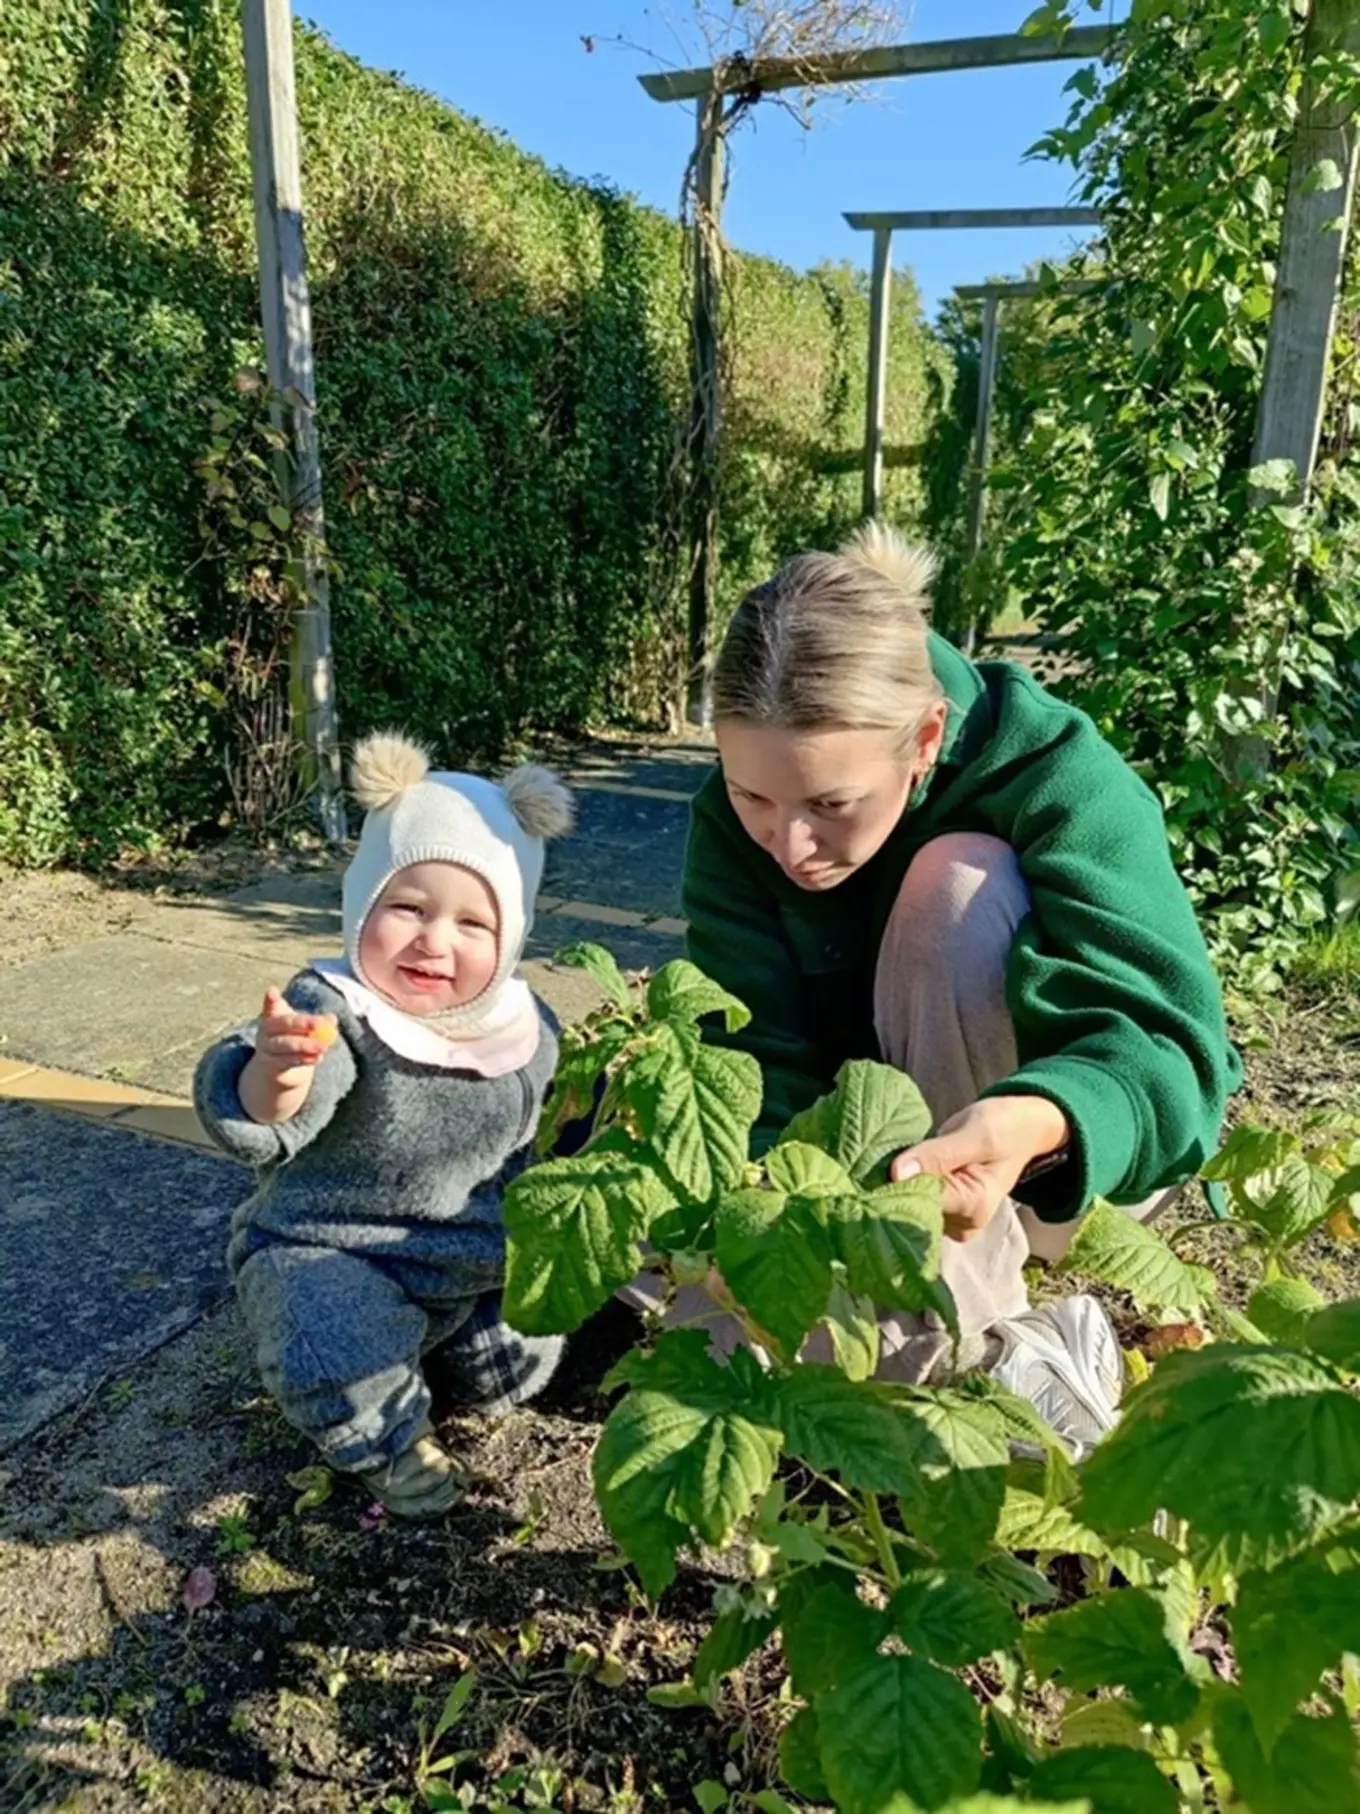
940	1015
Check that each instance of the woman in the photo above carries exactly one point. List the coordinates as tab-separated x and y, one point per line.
906	856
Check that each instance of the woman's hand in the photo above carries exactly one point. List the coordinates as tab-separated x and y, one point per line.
980	1154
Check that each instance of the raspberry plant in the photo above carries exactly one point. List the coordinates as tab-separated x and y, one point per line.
894	1537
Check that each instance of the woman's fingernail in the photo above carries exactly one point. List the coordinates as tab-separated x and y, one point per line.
910	1170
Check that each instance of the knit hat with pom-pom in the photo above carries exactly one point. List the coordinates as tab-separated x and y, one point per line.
415	814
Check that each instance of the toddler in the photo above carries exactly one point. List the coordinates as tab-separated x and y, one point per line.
386	1100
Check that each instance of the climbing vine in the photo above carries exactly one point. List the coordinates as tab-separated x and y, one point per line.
1135	526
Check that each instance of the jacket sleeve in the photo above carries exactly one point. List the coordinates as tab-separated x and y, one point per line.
1118	1014
217	1097
735	937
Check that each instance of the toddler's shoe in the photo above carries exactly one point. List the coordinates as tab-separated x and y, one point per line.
424	1481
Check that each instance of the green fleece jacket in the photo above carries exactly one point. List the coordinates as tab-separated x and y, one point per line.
1117	1011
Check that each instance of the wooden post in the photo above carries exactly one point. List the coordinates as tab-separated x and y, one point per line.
1312	255
705	423
880	311
1307	288
982	439
286	313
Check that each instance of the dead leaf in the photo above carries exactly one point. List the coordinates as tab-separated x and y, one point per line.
199	1590
1172	1336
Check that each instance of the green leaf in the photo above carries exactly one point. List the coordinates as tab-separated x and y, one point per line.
889	1245
898	1726
1112	1247
857	1431
1281	1309
602	965
1324	176
827	1630
711	1796
680	991
951	1617
800	1757
998	1804
1288	1627
1030	1521
454	1703
1117	1639
775	1255
801	1170
1290	1201
1250	1150
1142	337
686	1451
573	1228
731	1638
1191	1441
960	1452
853	1327
871	1115
1019	1584
573	1085
1113	1779
1313	1768
315	1486
1025	1425
696	1105
1334	1333
1274	28
280	518
1103	1722
1159	494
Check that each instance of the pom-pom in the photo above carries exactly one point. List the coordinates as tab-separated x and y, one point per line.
543	806
384	766
909	568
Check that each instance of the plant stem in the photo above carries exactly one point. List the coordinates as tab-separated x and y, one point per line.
873	1518
1190	1228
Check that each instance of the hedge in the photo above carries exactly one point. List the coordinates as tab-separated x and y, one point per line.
500	364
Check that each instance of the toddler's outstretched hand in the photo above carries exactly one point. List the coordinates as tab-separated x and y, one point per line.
289	1044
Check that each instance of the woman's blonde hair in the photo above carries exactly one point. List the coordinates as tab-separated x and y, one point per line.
834	640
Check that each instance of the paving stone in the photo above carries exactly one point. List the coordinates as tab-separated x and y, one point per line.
682	770
113	1243
642	879
107	1005
635	947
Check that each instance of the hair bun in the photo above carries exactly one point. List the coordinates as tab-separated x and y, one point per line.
384	766
910	568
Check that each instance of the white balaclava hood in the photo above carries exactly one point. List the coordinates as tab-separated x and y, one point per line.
418	815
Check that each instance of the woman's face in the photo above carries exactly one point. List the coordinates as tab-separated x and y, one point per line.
822	802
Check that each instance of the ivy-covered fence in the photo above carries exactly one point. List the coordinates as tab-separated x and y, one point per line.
500	368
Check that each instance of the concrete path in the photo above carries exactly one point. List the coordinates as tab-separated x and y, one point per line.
113	1208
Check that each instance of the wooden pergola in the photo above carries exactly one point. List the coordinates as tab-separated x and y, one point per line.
883	226
739	77
1289	416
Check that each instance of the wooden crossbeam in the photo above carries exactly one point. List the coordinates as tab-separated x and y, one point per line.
937	219
769	74
1021	291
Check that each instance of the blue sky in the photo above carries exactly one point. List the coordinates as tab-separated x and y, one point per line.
945	141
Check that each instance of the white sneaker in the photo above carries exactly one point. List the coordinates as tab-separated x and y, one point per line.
1064	1358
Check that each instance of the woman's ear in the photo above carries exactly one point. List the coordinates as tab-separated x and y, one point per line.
929	737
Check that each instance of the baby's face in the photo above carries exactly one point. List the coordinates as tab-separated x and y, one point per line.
430	940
